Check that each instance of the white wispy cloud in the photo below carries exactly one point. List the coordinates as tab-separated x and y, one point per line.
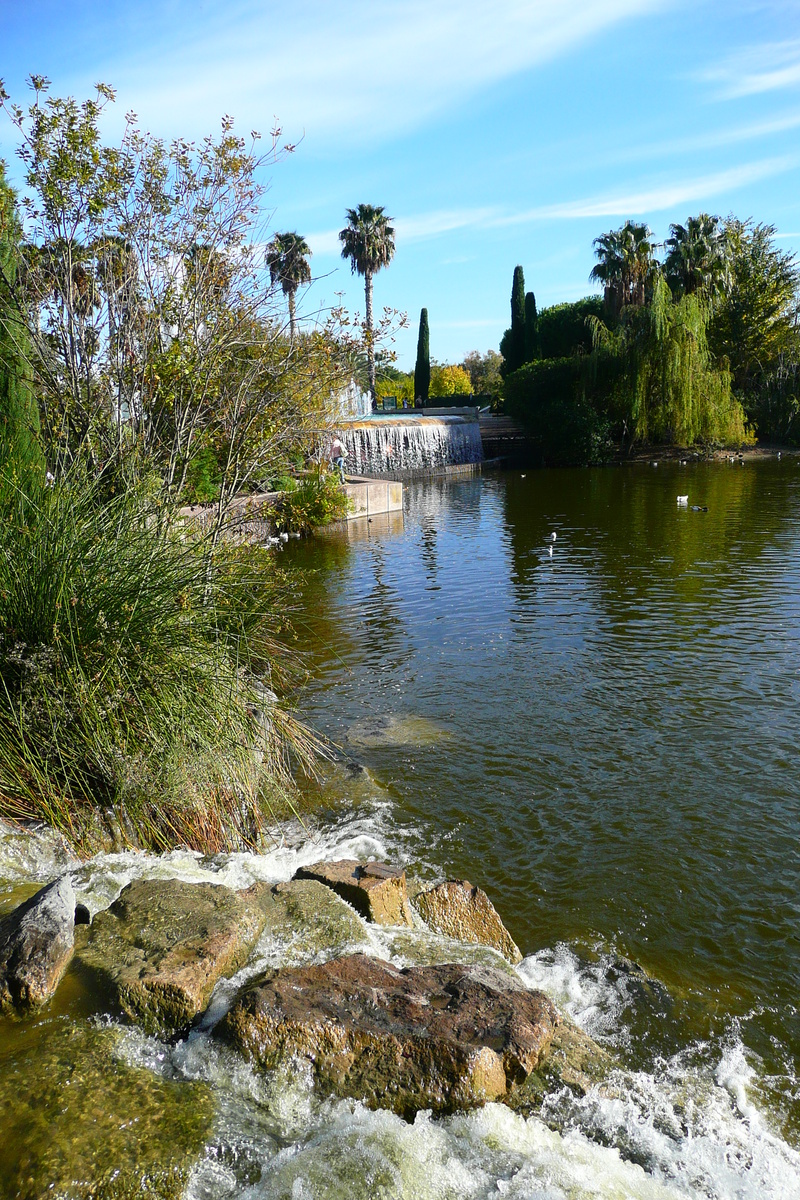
660	197
631	202
765	68
358	69
713	139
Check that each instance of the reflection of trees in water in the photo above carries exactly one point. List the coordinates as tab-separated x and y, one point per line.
622	528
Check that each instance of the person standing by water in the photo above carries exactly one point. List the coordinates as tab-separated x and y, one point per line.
337	456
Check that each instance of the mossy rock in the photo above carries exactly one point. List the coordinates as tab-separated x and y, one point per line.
163	945
79	1123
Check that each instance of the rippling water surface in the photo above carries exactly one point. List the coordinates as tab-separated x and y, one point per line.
605	737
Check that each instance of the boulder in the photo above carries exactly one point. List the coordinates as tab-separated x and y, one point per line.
307	921
81	1123
375	890
466	913
163	944
36	944
573	1060
443	1038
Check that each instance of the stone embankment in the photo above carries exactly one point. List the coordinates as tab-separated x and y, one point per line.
439	1035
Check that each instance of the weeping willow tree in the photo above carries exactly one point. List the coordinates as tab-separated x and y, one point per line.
21	461
669	388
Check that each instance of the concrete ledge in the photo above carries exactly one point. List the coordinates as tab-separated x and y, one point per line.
370	496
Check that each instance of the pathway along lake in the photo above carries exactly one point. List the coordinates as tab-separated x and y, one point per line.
605	737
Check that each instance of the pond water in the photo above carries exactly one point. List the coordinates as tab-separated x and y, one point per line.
599	729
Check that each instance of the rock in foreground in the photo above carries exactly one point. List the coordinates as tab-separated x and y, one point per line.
444	1038
374	889
163	944
466	913
36	944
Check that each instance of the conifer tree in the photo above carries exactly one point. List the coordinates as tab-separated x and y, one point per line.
21	457
512	346
531	328
422	369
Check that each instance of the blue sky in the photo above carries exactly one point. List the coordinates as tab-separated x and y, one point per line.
494	134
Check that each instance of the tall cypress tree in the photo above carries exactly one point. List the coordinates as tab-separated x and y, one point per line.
512	346
21	456
531	328
422	369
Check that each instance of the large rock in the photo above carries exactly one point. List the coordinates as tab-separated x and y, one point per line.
461	911
163	944
307	921
81	1123
375	890
443	1038
36	944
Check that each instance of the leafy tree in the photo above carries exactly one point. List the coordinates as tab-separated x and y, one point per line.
669	388
21	459
625	265
698	257
512	344
448	380
422	370
755	326
155	331
531	328
368	241
287	259
484	371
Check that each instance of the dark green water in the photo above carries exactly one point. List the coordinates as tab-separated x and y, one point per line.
620	765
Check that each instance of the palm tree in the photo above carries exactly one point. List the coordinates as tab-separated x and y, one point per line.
625	265
287	259
368	241
698	256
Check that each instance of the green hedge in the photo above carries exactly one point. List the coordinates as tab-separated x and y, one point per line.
556	402
562	329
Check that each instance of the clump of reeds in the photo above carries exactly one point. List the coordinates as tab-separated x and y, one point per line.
132	661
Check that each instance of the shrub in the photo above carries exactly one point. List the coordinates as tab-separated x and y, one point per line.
553	401
563	330
318	500
129	666
203	478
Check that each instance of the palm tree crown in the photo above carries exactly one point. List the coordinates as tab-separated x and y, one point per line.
625	264
368	241
698	256
287	259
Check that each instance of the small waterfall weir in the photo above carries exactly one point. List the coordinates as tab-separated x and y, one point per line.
409	445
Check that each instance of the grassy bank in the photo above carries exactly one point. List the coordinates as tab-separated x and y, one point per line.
132	665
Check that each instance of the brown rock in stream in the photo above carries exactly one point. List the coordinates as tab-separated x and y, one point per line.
36	944
445	1037
375	890
163	944
466	913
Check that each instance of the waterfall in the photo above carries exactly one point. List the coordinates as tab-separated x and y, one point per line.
410	445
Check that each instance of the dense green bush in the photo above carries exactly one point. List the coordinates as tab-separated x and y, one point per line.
318	500
203	478
129	660
563	329
553	401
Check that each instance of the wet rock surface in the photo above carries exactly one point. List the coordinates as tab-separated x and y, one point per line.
163	944
306	920
443	1038
36	945
461	911
79	1123
374	889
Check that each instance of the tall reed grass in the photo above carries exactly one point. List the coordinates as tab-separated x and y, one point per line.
132	661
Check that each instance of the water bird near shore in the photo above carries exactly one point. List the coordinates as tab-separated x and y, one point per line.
550	551
699	508
683	501
553	536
